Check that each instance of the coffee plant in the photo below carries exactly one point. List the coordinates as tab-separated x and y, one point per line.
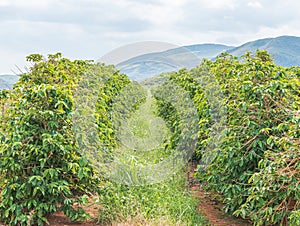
4	104
256	163
42	171
49	148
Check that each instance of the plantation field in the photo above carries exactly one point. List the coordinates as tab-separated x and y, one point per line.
81	142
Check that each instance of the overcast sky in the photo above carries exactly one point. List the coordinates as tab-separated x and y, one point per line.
88	29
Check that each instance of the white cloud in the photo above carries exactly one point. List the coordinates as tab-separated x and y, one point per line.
90	28
27	3
159	13
4	2
255	4
218	4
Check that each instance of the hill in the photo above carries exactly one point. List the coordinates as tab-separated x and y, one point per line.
7	81
285	50
149	65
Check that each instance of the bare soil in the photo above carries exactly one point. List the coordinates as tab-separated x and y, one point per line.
210	206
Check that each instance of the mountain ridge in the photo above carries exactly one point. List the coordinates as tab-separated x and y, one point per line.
285	51
152	64
7	81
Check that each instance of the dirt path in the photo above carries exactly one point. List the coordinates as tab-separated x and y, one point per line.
208	203
59	219
210	207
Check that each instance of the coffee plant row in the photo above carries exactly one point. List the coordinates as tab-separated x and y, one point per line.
247	139
256	165
43	169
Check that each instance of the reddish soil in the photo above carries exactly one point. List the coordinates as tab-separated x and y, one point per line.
208	205
59	219
211	207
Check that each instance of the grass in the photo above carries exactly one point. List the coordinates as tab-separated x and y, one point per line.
167	203
142	142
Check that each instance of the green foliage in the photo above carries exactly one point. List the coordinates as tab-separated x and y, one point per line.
168	200
176	107
4	104
262	101
256	166
169	113
85	116
42	169
188	81
110	89
113	107
275	192
119	99
295	217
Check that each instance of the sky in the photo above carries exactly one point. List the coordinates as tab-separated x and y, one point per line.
89	29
